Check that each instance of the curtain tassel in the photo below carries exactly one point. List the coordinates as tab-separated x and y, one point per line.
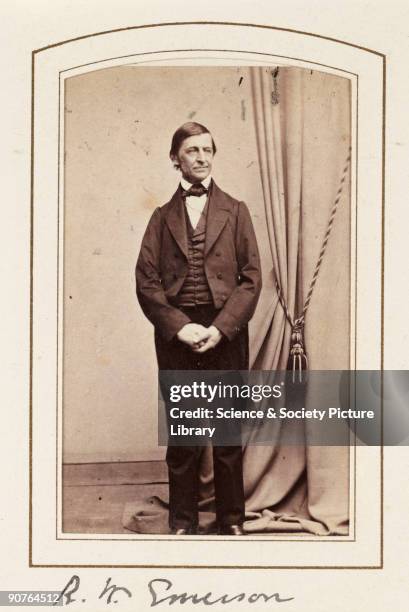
297	361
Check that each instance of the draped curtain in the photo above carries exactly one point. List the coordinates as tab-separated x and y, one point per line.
302	126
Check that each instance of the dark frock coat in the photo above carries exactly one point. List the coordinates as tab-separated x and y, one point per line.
232	269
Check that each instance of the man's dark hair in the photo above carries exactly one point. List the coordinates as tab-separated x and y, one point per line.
191	128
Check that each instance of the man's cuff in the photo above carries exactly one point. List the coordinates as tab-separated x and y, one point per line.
226	324
174	324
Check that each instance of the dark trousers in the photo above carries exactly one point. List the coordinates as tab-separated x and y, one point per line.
184	461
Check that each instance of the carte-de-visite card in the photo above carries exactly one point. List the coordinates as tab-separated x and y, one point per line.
207	197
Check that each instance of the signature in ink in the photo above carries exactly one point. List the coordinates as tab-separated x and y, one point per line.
160	590
209	599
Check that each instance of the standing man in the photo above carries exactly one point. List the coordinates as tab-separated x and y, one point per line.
198	280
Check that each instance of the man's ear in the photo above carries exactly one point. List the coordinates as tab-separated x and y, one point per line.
175	162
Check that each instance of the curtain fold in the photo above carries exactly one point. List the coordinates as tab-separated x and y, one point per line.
302	143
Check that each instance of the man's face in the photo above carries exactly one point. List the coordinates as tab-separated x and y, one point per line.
195	157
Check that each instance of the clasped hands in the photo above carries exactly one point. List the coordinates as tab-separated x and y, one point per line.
199	338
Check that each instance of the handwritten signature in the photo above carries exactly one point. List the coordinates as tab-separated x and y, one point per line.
158	587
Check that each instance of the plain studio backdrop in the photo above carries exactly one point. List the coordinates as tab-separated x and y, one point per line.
118	126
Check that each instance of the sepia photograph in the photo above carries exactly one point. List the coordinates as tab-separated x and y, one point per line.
207	224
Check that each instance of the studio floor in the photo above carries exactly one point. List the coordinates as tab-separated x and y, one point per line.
95	494
100	498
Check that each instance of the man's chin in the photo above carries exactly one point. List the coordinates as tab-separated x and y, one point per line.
200	176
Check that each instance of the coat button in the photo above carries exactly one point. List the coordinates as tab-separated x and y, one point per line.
217	253
176	255
175	276
219	275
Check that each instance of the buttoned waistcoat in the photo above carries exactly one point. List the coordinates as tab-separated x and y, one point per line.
231	264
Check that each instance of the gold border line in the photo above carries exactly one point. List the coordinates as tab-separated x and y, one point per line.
221	23
30	444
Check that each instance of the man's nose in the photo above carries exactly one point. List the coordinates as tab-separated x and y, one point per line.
201	157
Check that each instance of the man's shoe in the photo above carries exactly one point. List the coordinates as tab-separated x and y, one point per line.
183	531
231	530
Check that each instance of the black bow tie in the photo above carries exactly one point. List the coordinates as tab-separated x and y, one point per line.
195	190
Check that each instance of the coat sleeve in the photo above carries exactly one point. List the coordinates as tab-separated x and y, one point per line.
167	319
240	306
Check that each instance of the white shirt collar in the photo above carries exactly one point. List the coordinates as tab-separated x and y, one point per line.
186	185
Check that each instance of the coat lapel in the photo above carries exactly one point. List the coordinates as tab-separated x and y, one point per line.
176	221
219	209
217	214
